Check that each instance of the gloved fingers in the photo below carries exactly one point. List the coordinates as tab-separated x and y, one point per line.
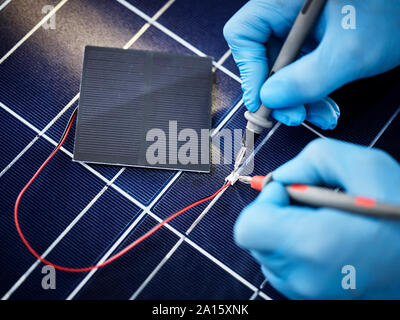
278	278
291	116
247	33
309	79
323	113
278	282
275	44
300	268
275	265
331	162
283	282
266	224
272	274
274	193
253	72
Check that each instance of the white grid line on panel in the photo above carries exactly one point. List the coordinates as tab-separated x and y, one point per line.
147	25
39	133
156	269
177	245
125	234
18	283
256	293
174	36
313	130
222	60
46	17
4	4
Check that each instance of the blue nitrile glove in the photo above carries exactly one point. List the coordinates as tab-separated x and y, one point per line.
338	55
302	250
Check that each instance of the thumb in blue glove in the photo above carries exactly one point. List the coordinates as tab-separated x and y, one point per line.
302	250
334	55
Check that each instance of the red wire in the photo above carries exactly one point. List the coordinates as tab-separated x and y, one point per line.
119	254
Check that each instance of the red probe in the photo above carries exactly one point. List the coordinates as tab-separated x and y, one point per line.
324	197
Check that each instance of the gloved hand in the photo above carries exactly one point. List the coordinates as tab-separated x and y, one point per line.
335	56
302	250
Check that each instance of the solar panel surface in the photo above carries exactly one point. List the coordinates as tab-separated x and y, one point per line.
79	214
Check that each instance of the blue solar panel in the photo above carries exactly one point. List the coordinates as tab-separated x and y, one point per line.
201	23
41	77
181	276
10	130
84	244
49	207
15	23
120	280
366	106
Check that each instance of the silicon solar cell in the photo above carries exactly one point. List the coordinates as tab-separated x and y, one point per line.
108	207
126	94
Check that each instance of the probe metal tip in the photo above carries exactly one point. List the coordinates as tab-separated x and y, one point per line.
247	144
240	157
245	179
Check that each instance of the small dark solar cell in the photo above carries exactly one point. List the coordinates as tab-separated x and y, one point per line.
144	109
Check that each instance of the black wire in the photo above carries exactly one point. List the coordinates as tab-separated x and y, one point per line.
66	128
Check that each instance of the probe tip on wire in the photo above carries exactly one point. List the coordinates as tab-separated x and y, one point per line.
245	179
